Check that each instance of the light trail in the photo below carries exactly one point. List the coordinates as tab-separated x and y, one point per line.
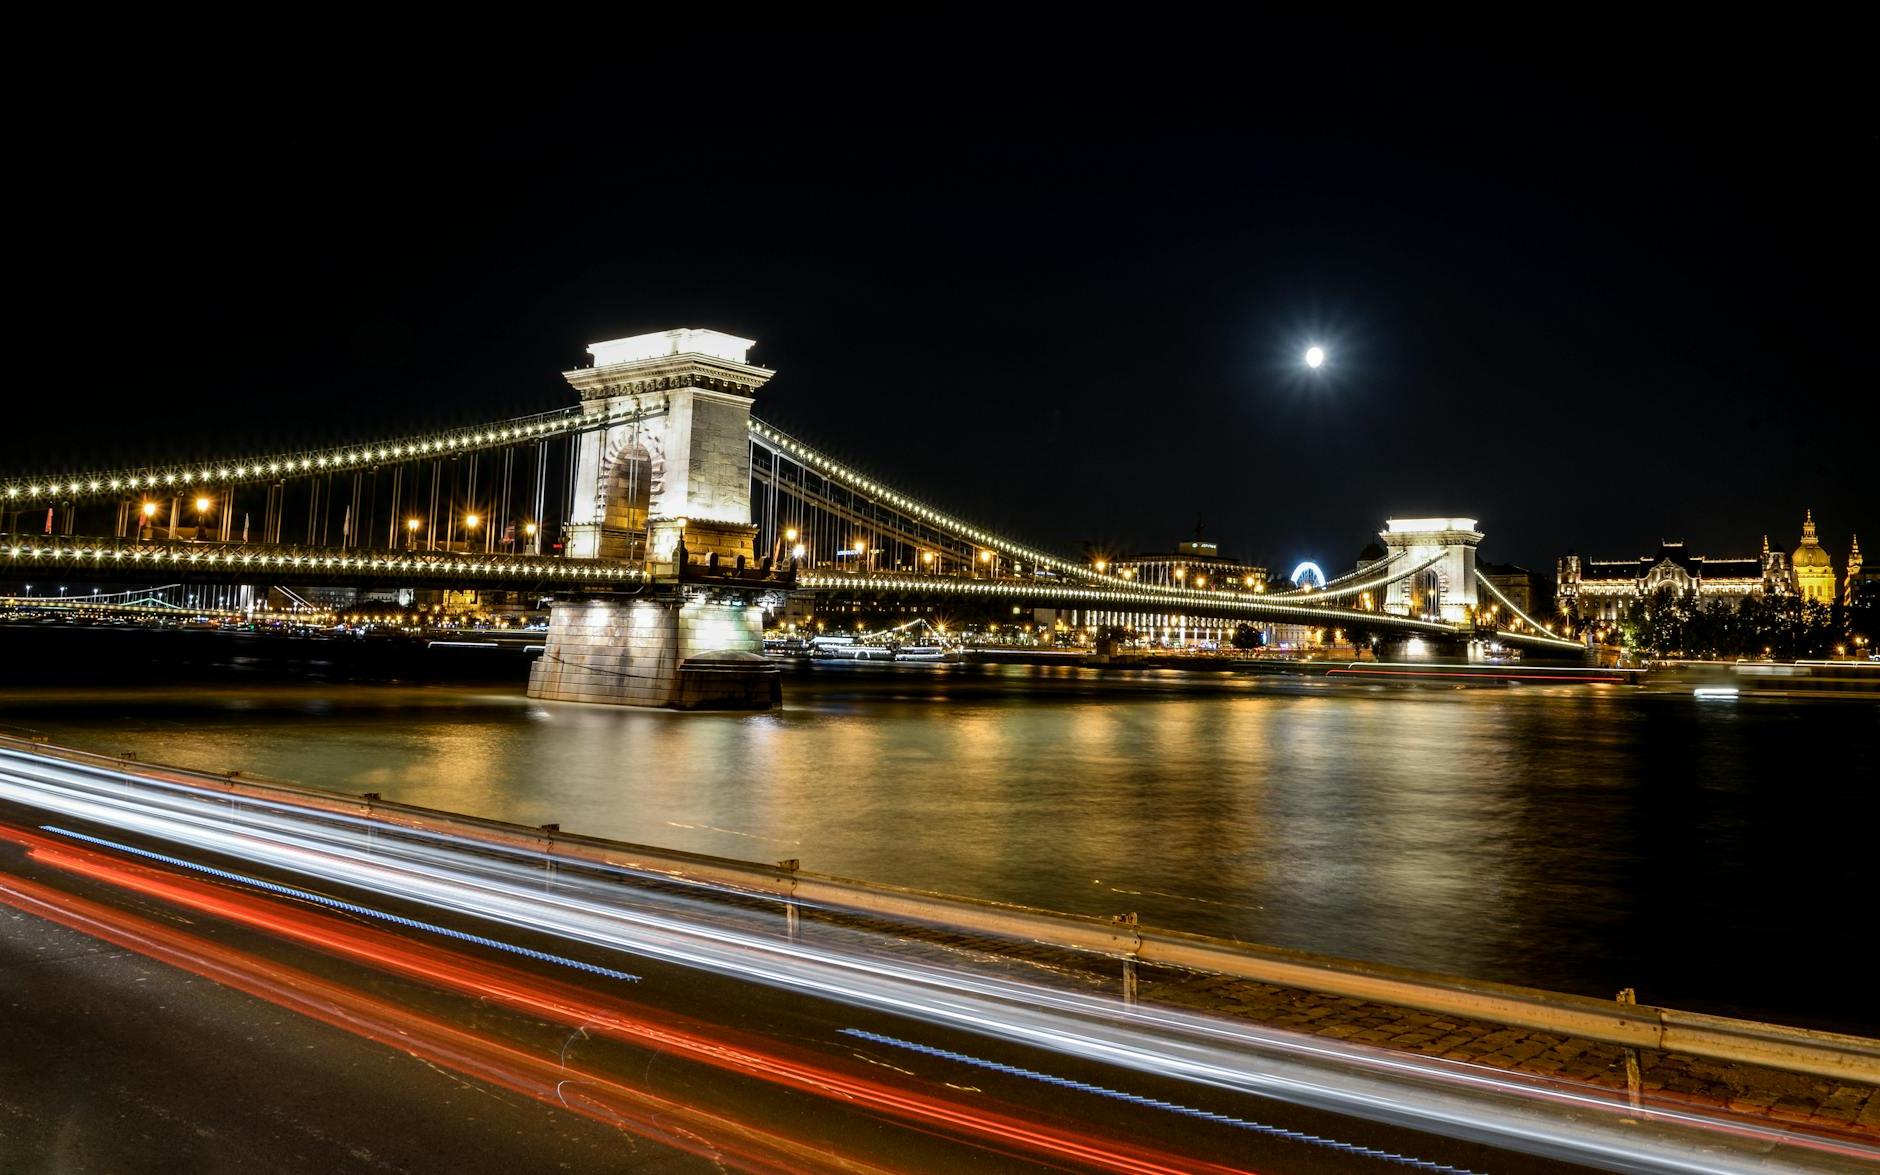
576	1008
1135	1099
545	1079
1556	1119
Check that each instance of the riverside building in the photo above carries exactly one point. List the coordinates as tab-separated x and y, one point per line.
1602	589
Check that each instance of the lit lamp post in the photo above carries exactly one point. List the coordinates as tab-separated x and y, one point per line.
1101	566
411	534
926	557
148	525
470	524
202	510
985	563
528	535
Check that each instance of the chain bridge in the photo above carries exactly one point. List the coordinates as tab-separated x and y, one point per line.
665	520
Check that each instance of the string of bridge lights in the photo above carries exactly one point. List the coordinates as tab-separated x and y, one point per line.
1328	592
341	458
809	457
1131	597
1541	631
550	424
836	471
506	567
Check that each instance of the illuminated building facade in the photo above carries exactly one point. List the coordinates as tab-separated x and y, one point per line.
1195	564
1813	568
1602	589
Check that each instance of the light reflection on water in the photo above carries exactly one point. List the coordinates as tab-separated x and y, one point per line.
1571	838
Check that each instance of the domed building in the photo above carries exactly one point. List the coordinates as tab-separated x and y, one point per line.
1812	566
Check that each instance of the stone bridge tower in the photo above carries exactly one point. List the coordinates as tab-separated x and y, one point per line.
1447	589
678	462
667	481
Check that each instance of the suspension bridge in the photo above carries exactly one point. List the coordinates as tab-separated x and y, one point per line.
666	521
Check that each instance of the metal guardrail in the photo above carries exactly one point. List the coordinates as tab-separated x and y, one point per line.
1835	1056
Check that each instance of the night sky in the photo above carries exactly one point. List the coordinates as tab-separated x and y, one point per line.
1060	289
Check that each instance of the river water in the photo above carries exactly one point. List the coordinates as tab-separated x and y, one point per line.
1715	855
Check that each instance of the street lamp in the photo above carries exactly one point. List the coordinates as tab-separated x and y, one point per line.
202	508
411	533
1315	356
787	538
1102	566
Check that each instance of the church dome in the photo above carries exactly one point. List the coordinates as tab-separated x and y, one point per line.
1811	553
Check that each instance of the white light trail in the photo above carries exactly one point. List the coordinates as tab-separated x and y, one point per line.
515	889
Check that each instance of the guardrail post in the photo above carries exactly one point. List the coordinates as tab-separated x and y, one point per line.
1629	996
790	926
1129	960
548	854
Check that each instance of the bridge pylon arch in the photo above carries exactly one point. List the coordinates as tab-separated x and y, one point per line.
1446	588
682	399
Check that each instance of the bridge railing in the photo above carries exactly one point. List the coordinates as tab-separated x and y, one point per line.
1117	594
266	560
1835	1056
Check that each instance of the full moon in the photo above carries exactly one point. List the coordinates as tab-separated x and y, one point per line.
1315	356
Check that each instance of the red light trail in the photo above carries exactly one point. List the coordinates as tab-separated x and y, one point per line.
482	1057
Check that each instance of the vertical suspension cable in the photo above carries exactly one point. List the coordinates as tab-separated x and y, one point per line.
430	535
512	533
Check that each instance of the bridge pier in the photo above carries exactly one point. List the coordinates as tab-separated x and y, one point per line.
1426	648
680	649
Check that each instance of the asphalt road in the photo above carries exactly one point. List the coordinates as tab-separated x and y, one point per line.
156	1020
